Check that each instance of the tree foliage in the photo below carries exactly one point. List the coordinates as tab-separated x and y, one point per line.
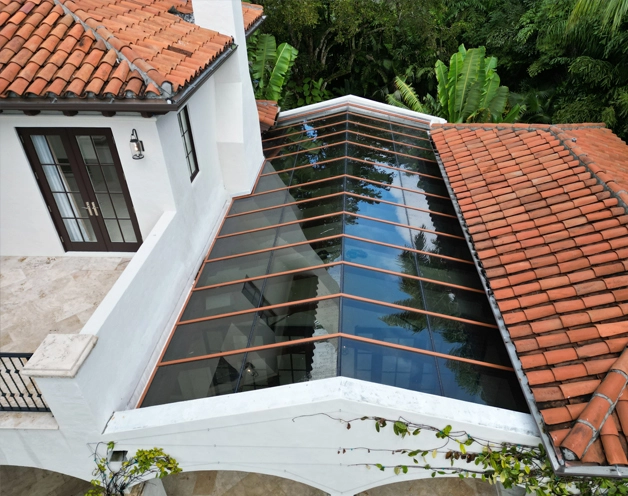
469	90
563	60
144	465
270	66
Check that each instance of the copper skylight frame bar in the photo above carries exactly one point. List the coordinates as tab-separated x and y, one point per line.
270	159
326	238
331	296
354	195
296	342
347	121
317	181
346	157
333	264
346	131
334	214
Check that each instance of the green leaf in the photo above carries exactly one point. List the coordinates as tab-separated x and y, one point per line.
441	78
285	57
265	56
468	75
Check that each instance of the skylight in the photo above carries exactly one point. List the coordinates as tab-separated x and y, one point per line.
347	259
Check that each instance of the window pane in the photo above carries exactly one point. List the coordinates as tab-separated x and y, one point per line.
483	385
274	181
106	208
289	365
373	190
424	184
114	231
102	149
378	231
111	177
385	324
382	257
431	203
309	255
389	366
87	150
382	287
97	179
120	207
127	231
247	222
468	341
318	172
374	173
302	285
309	230
234	269
193	380
224	299
210	336
243	243
457	302
257	202
293	322
313	208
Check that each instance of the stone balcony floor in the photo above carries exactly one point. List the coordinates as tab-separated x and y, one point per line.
43	295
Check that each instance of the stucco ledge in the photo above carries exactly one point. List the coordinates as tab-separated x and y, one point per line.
60	355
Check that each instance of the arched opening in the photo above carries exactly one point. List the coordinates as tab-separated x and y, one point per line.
442	486
232	483
18	481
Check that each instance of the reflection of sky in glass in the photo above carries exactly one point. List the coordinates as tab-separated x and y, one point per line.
408	300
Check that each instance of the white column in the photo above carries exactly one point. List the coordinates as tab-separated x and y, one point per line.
237	120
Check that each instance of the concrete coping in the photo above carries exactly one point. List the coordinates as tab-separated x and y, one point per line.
60	355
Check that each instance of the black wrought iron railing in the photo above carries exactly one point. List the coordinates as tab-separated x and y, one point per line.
18	393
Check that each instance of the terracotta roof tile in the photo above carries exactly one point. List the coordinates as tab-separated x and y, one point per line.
32	36
548	220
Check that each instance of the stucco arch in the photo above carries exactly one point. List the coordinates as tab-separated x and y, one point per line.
18	481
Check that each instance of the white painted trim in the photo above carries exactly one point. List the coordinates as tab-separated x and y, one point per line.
356	100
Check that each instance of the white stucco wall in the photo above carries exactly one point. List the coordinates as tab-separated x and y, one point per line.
26	227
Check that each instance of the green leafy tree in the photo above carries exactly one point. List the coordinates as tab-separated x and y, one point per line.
270	66
469	90
144	465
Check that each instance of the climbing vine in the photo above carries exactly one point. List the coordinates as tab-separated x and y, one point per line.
145	464
510	464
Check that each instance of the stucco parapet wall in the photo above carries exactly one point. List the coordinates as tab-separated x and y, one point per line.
264	404
28	421
60	355
332	106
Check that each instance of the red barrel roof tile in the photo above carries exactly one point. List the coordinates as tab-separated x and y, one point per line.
104	48
546	210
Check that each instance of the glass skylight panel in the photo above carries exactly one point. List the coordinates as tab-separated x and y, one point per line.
346	259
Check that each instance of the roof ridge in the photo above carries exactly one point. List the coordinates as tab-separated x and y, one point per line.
599	409
168	90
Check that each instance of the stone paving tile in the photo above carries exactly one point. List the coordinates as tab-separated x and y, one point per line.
42	295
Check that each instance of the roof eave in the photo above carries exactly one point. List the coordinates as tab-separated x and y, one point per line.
556	459
254	26
146	106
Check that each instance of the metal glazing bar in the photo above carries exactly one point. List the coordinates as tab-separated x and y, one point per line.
334	214
326	337
332	264
332	296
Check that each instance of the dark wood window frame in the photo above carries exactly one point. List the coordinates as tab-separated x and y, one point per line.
188	144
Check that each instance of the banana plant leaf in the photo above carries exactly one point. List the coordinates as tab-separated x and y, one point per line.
285	57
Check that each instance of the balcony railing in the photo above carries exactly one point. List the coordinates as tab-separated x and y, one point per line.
18	393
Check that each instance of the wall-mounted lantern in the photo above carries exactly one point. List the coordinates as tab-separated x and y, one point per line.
137	147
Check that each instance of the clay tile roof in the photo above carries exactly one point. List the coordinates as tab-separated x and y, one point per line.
268	111
546	210
88	40
252	13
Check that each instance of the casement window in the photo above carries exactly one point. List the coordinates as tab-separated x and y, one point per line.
188	142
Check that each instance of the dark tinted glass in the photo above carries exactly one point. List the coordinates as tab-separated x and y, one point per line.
272	182
382	287
289	365
310	230
432	203
385	324
468	341
243	243
313	208
233	269
302	285
373	172
442	269
318	171
314	190
210	336
307	255
285	324
389	366
457	302
375	190
254	220
193	380
224	299
425	184
378	231
484	385
256	202
382	257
